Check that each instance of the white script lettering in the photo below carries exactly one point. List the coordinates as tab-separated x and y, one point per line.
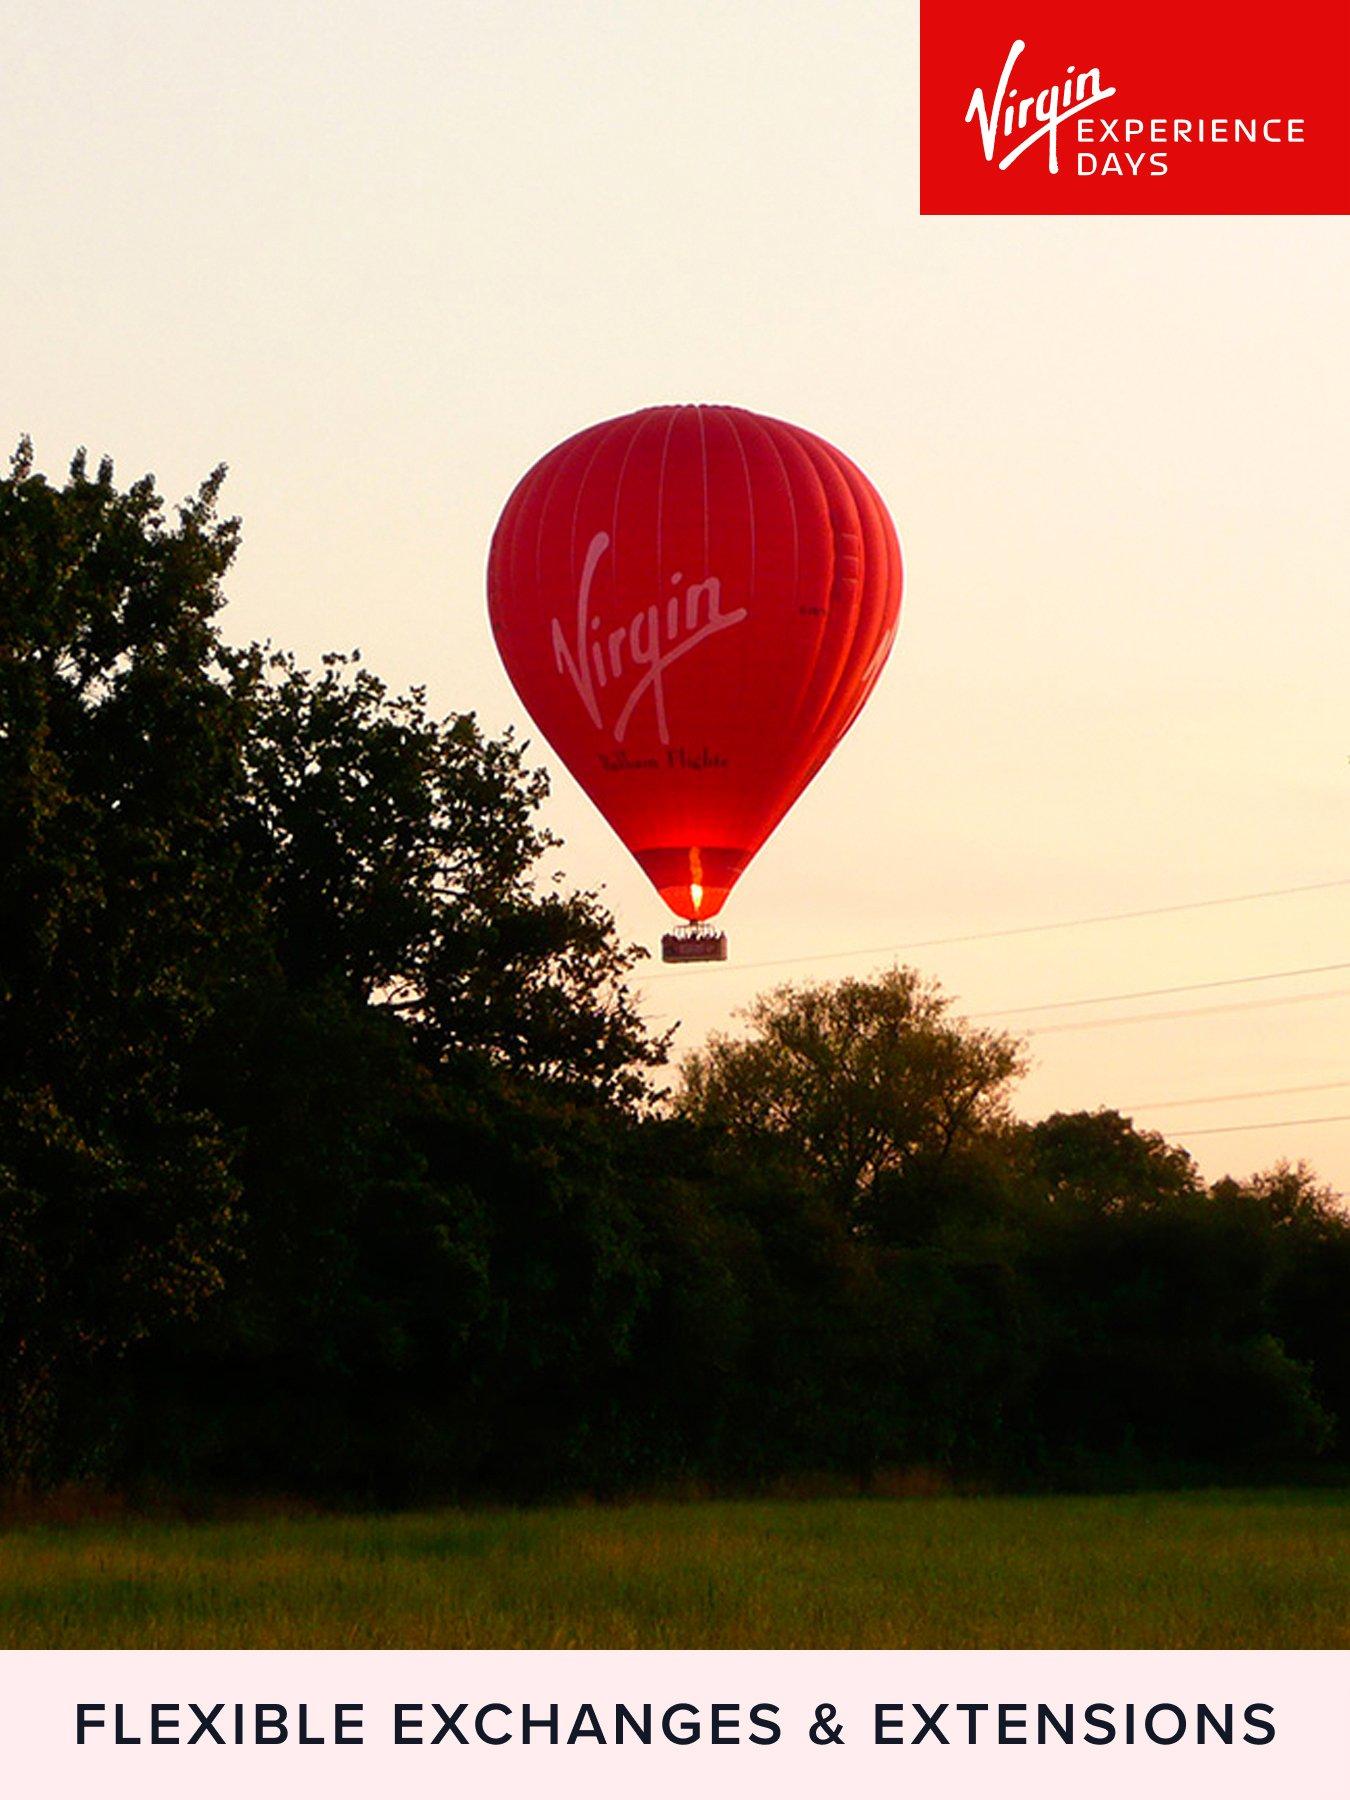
656	636
1006	115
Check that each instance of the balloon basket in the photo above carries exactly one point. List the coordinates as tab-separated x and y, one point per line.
694	943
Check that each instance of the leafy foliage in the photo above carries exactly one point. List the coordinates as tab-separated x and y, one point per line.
209	858
116	750
863	1078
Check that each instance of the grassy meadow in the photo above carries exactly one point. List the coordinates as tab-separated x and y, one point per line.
1196	1570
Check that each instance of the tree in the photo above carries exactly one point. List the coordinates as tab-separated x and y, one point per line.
399	853
863	1077
118	913
1162	1341
212	861
1305	1230
1103	1161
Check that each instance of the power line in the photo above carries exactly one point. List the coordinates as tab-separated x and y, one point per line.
1316	1087
1257	1125
1189	1012
1188	987
977	937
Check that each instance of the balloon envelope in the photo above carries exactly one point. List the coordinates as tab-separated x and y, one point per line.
693	602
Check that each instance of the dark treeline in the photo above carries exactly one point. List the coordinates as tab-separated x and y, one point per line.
332	1160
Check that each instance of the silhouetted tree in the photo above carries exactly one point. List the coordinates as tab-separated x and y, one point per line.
259	929
1305	1232
1102	1160
399	854
118	917
1162	1348
862	1078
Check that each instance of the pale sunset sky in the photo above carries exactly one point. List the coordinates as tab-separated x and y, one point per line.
379	257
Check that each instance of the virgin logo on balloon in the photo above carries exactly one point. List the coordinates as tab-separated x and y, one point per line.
653	638
694	602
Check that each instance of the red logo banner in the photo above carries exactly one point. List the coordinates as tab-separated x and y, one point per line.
1156	106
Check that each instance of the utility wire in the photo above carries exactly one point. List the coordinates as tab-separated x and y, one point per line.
1138	994
978	937
1257	1125
1189	1012
1188	987
1316	1087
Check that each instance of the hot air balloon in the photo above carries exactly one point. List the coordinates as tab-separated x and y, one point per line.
693	603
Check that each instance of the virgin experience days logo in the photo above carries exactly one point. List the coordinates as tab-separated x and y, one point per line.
1245	116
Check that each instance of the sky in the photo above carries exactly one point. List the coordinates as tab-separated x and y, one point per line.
379	257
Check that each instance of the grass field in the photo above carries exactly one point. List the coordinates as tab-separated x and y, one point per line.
1210	1569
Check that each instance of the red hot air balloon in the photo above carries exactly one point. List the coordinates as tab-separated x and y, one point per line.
694	602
